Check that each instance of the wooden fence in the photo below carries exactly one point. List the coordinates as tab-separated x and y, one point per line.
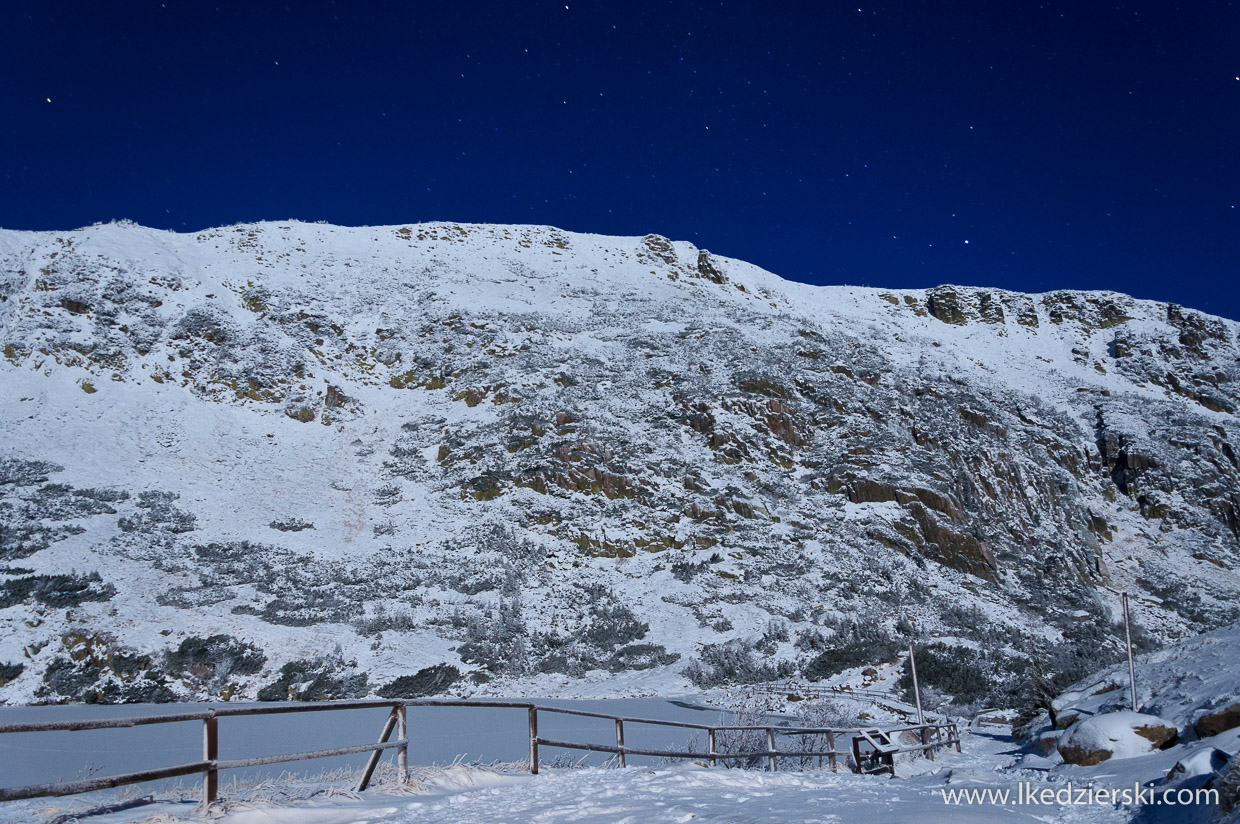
865	743
821	691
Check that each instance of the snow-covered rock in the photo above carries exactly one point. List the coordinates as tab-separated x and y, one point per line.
1114	735
1047	742
1203	761
1214	722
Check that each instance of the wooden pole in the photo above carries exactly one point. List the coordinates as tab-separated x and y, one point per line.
402	734
1132	669
831	746
921	718
534	740
373	761
210	754
770	746
620	740
710	746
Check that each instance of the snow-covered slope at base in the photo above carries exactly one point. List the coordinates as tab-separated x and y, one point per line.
1183	739
1179	683
571	463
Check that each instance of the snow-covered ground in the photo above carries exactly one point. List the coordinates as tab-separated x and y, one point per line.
679	793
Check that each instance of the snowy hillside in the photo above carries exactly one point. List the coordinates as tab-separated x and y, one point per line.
1193	685
1182	738
297	459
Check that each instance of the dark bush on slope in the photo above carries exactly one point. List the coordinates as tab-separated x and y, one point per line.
216	656
957	671
429	681
857	647
56	590
733	662
319	679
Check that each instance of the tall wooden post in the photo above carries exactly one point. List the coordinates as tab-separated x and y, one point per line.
402	752
710	746
534	740
770	746
620	740
1132	669
921	718
211	753
831	745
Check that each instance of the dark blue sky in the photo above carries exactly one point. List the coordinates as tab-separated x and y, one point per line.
1071	144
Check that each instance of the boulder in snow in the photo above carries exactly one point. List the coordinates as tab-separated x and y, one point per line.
1047	741
1114	735
1218	721
1066	718
1205	761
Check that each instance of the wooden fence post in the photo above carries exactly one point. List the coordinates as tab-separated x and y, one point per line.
620	740
770	746
831	757
210	752
402	734
534	740
373	761
710	747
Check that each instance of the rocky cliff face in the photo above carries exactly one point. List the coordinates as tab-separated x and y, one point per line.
310	460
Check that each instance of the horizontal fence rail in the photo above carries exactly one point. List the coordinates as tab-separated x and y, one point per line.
870	746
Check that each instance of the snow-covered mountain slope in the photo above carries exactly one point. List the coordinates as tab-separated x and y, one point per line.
314	459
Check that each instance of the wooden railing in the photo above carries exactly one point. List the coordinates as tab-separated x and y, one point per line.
211	764
932	737
712	754
874	750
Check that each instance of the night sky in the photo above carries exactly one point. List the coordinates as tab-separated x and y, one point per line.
1026	145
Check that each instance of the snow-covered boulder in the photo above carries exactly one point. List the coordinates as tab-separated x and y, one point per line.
1069	717
1047	742
1204	761
1220	720
1114	735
